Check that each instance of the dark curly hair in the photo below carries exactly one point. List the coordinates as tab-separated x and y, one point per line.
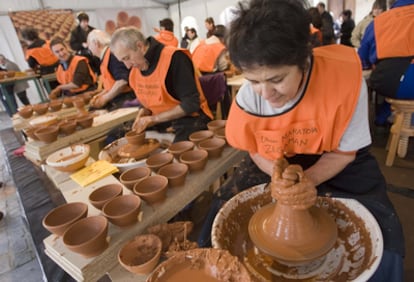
270	33
30	33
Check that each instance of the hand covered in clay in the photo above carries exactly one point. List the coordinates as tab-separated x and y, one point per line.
143	120
291	187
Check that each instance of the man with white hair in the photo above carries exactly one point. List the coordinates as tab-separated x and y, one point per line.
114	74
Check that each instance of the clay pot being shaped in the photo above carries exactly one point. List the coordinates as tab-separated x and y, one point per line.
47	134
134	175
293	231
26	111
180	147
61	217
152	189
135	138
41	109
195	159
175	172
214	147
156	161
87	236
104	194
122	210
67	127
201	135
141	254
69	159
216	124
85	121
55	105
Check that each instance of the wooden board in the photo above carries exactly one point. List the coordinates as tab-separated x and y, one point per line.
38	151
92	269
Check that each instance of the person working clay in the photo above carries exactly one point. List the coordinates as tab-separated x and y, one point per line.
166	33
116	91
210	55
387	48
286	110
8	90
164	81
74	74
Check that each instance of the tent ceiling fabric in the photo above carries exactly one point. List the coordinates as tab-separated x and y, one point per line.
169	2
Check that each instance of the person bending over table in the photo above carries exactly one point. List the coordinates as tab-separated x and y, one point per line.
74	74
310	107
164	82
114	74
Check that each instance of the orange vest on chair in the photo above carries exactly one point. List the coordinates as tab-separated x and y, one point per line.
205	55
43	55
394	33
66	76
167	38
151	90
318	121
107	78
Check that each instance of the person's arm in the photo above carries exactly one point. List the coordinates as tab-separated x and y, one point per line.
102	98
367	51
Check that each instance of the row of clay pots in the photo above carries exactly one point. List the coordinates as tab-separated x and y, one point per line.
51	132
55	105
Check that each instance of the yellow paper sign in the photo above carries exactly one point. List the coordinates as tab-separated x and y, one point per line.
93	172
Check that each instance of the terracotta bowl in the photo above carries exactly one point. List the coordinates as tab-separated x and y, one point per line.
87	236
122	210
47	134
55	105
78	102
69	159
30	132
180	147
216	124
67	127
214	146
201	263
68	102
152	189
135	138
196	159
41	109
201	135
85	121
141	254
26	111
103	194
134	175
156	161
175	172
61	217
221	133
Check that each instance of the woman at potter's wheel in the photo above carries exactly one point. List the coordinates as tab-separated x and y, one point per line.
309	106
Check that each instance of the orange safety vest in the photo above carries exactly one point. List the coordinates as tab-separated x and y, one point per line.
108	79
43	55
205	55
317	123
167	38
151	90
394	32
66	76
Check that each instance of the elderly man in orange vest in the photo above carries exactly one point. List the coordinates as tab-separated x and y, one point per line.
210	55
114	74
164	81
74	74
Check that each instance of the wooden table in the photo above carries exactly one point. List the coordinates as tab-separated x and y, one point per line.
235	82
20	78
91	269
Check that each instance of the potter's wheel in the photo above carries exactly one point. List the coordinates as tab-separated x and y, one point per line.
354	257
